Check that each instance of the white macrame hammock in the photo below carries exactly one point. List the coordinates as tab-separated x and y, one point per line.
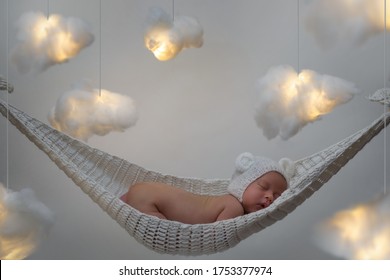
105	178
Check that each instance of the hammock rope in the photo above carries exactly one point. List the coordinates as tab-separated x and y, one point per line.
4	85
104	178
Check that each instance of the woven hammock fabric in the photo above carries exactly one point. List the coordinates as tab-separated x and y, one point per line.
104	178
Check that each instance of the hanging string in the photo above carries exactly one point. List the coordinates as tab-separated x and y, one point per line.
385	107
48	9
7	100
173	10
100	48
298	46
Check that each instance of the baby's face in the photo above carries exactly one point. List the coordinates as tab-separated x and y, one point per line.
263	191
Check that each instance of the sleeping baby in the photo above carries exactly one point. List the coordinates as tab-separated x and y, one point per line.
256	183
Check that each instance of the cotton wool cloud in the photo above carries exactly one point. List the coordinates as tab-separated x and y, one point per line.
359	232
288	101
24	223
331	21
45	41
85	111
166	37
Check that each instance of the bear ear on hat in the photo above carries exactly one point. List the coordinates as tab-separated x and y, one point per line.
244	161
288	167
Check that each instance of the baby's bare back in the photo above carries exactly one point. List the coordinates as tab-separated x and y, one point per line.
168	202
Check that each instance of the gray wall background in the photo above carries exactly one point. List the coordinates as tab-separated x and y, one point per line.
196	116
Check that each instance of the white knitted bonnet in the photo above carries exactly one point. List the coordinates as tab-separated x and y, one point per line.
249	167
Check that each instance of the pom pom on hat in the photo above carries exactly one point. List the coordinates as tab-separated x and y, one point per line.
249	167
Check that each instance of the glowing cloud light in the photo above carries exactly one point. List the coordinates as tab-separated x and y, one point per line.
288	101
361	232
85	111
43	42
166	38
24	223
332	20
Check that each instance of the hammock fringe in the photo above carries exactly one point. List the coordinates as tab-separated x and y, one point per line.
104	178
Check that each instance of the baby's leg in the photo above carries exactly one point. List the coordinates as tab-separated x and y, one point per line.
153	212
157	214
142	196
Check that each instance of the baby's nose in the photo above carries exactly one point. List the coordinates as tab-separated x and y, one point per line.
270	198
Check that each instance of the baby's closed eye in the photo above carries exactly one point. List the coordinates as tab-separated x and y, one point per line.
263	186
